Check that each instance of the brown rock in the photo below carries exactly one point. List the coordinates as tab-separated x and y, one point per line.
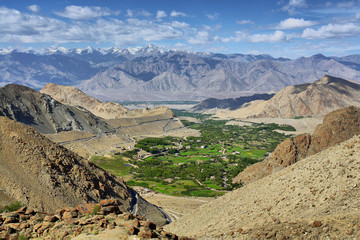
145	232
110	209
109	202
317	223
132	230
85	208
51	218
11	220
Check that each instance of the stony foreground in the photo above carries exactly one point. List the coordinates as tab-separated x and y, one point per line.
85	221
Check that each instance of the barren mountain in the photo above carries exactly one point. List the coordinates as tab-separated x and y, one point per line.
231	103
316	198
185	76
46	176
44	113
337	127
318	98
151	73
74	96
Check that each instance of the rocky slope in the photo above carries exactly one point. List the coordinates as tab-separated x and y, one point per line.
319	98
45	114
107	110
231	103
316	198
86	221
46	176
74	96
337	127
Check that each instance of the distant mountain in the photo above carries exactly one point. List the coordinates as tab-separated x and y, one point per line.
152	73
318	98
231	103
45	114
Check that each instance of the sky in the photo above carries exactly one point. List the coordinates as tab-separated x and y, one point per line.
281	28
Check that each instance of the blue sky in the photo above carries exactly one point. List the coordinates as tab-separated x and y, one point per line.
281	28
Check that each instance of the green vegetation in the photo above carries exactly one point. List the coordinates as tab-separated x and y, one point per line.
115	165
196	166
11	207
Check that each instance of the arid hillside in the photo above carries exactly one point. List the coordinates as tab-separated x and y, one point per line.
318	98
45	176
337	127
74	96
45	114
316	198
107	110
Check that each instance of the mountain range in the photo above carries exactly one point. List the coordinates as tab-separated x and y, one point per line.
152	73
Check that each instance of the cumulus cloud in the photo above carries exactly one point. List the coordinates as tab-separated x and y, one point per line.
84	13
160	14
177	14
34	8
332	31
243	22
292	23
17	27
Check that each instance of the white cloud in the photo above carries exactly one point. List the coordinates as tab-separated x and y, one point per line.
177	14
292	23
293	5
83	13
129	13
213	16
201	37
17	27
34	8
332	31
144	13
243	22
181	25
160	14
277	36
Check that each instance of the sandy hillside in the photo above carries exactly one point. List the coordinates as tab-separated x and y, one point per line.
317	197
315	99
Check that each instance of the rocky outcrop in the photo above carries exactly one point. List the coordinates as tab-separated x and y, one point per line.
45	114
315	99
83	220
337	127
45	176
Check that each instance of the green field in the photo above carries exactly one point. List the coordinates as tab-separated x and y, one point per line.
196	166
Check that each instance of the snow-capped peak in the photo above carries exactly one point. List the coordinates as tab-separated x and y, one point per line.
4	51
